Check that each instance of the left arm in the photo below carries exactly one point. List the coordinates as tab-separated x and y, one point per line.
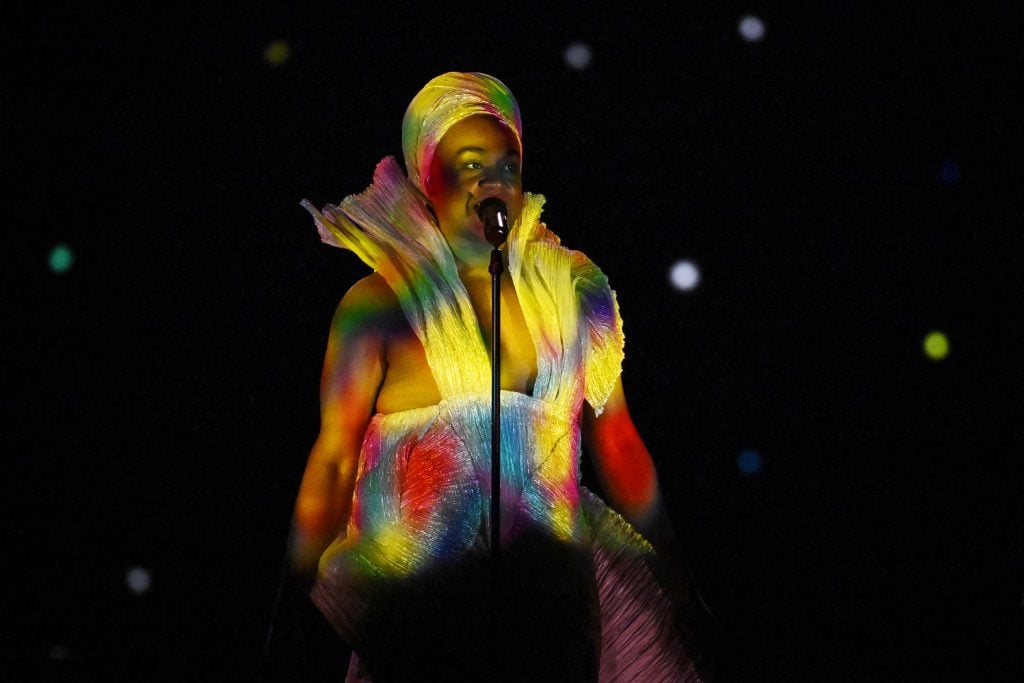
626	470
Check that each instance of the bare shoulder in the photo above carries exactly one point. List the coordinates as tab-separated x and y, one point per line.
371	290
369	305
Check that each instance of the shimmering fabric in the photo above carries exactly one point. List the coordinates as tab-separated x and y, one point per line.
445	101
422	496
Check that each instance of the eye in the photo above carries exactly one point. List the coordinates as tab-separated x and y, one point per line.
472	165
512	167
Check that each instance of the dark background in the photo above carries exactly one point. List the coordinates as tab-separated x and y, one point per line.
843	185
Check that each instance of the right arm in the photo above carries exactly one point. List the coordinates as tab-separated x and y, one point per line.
354	370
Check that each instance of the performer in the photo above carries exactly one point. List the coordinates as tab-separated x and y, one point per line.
391	520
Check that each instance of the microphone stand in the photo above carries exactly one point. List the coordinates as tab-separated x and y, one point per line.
495	269
494	215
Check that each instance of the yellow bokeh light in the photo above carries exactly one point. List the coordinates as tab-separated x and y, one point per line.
277	52
936	345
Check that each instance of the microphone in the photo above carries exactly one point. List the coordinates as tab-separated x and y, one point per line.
494	215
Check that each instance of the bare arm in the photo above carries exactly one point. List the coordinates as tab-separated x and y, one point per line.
626	470
353	372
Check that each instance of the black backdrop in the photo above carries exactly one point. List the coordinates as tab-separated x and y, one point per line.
842	184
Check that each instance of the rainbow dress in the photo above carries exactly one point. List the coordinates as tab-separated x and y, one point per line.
418	535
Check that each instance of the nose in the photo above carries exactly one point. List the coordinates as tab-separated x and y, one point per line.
490	180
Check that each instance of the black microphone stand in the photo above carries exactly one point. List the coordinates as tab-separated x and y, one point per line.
496	268
494	215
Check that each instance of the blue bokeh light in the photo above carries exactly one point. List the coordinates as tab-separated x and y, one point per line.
949	172
749	462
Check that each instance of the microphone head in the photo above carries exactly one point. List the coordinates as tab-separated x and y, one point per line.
493	214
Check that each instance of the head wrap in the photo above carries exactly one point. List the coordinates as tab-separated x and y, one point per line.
445	101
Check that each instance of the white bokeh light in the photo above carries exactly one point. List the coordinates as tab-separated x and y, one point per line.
685	275
578	56
751	28
138	580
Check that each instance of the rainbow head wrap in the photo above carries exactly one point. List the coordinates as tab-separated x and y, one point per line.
445	101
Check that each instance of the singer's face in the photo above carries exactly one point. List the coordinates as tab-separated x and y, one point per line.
477	158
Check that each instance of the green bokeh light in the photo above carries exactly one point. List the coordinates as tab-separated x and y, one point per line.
936	345
61	258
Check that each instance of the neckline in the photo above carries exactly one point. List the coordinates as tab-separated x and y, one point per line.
462	294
